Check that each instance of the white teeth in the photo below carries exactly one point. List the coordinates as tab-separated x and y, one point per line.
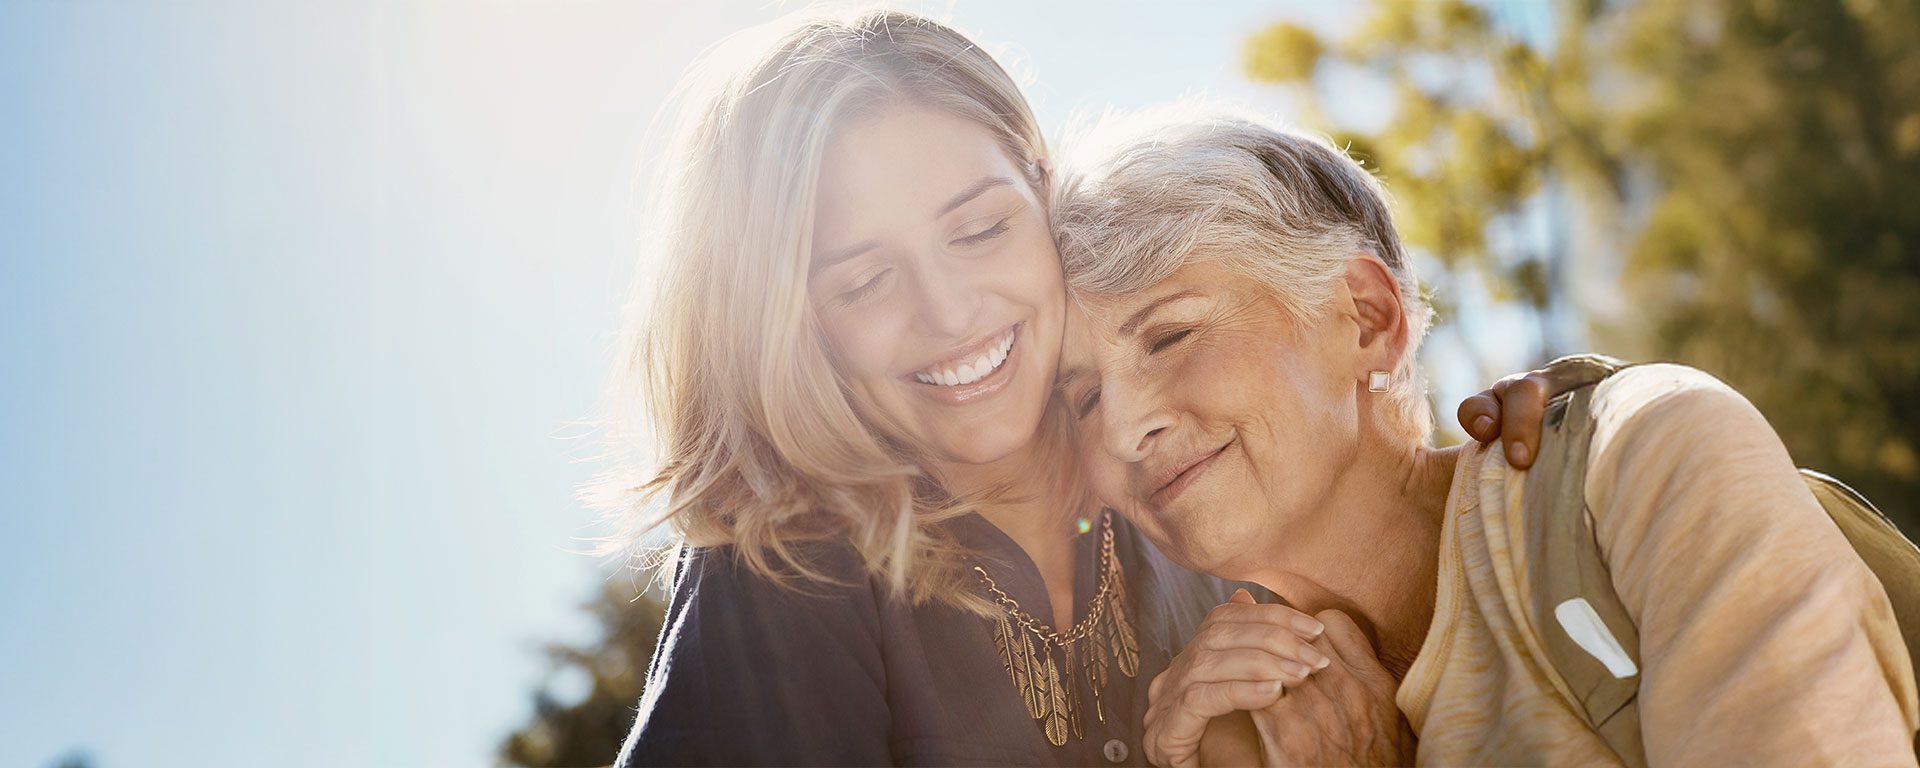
972	370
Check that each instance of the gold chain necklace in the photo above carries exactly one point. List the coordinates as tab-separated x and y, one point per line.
1105	637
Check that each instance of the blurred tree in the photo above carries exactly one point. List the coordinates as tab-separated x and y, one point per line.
1750	170
588	732
78	758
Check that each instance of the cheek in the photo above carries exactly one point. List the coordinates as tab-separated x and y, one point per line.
1032	266
1271	396
863	343
1307	434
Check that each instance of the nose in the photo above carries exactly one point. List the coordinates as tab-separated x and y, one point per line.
1136	419
948	300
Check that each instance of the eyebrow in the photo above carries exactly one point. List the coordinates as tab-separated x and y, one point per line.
1133	323
823	260
967	195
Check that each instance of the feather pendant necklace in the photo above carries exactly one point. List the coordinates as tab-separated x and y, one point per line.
1045	664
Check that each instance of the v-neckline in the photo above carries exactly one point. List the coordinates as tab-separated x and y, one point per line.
1017	575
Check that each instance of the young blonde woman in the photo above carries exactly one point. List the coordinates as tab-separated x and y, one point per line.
882	553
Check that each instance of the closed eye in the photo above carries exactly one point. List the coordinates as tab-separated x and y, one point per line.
1087	402
1168	340
999	228
855	294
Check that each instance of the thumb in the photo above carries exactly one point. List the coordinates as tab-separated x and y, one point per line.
1241	595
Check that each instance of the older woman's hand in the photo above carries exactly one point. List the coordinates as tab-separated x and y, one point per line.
1515	406
1344	715
1243	657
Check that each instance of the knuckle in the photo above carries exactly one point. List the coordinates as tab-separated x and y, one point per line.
1228	637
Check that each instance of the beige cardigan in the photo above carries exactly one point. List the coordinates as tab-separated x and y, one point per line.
1764	640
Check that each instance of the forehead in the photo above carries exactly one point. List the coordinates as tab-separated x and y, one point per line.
1197	284
905	157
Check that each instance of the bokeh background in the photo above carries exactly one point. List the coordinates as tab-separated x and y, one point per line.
305	307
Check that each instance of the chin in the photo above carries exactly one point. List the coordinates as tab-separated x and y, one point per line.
1199	559
985	446
1200	543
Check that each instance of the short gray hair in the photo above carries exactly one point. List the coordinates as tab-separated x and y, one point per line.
1147	194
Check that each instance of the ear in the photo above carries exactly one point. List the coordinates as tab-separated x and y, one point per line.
1377	311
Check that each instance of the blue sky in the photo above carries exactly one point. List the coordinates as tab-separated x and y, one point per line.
299	306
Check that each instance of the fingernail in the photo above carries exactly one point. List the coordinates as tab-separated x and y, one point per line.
1516	454
1308	626
1322	663
1483	424
1296	668
1317	659
1272	686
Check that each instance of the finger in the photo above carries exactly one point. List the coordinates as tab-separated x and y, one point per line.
1271	614
1480	416
1174	738
1487	404
1249	664
1575	371
1262	638
1499	388
1242	667
1521	410
1202	671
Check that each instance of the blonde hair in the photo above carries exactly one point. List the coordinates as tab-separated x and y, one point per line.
762	448
1149	193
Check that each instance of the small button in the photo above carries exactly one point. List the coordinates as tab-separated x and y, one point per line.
1116	751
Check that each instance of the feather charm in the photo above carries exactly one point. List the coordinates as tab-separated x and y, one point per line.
1056	723
1037	684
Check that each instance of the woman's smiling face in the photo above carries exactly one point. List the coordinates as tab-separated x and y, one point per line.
1209	416
937	284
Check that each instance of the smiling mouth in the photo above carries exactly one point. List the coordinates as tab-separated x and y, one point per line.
969	368
1185	478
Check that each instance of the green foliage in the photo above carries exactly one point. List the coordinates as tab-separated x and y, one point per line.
1283	53
1753	166
589	732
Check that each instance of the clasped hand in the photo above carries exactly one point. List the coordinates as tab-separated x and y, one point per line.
1313	687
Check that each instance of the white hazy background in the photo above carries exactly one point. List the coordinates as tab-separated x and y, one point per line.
298	304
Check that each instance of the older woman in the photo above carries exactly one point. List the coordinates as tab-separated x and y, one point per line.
1241	365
